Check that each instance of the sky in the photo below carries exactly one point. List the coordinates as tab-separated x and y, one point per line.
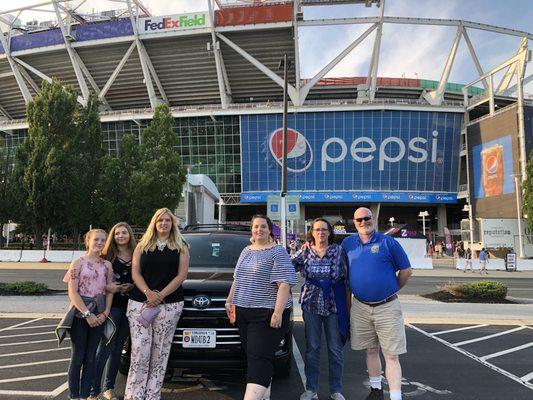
409	51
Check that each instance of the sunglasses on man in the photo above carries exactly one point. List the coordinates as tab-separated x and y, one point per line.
366	219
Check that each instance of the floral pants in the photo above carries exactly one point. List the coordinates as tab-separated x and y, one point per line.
150	349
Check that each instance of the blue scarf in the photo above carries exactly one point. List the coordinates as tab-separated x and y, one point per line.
339	297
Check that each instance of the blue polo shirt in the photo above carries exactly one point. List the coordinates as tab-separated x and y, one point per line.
372	266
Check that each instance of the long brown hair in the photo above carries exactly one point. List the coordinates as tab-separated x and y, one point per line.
175	240
110	251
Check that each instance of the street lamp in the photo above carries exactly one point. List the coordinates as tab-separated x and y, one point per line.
518	192
423	214
285	64
391	220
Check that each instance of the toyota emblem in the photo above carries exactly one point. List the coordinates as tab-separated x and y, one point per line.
201	301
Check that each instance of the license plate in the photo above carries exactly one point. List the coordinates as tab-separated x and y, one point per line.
199	338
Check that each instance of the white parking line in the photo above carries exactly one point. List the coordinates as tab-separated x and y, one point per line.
23	353
299	360
31	378
33	363
21	324
528	377
26	334
503	352
479	339
459	329
474	357
33	342
32	327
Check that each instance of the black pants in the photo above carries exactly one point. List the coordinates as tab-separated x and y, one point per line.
260	341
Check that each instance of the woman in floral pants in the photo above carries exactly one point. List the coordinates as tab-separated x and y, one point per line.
160	264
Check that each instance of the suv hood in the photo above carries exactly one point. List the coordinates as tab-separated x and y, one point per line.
209	278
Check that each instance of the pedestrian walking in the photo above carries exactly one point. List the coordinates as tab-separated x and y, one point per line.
483	260
378	268
160	265
468	258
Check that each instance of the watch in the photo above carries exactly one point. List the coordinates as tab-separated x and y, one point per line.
86	314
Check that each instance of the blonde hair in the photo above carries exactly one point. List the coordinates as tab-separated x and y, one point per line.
88	236
175	240
110	250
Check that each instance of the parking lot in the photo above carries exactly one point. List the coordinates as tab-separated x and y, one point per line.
467	362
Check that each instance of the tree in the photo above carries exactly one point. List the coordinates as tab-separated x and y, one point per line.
115	186
46	186
159	180
85	155
527	194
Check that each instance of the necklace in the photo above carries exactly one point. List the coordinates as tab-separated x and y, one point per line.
161	245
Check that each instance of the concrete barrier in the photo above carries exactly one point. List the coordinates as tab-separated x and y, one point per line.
37	255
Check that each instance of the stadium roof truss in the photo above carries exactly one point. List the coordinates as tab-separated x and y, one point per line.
204	67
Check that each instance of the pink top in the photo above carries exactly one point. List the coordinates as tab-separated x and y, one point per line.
91	276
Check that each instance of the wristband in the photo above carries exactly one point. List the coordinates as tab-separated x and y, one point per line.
145	290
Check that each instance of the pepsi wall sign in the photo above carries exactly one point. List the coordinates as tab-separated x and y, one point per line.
403	155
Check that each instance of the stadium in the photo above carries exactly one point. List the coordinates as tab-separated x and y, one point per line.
396	145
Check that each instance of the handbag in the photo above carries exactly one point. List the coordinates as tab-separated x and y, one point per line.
148	314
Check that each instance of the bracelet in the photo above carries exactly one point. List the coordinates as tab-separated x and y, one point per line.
145	290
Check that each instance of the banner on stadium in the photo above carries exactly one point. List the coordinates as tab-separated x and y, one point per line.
382	156
178	22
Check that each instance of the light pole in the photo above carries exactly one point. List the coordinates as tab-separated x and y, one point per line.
391	220
285	64
518	191
423	214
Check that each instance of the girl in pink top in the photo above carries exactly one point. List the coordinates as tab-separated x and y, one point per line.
87	278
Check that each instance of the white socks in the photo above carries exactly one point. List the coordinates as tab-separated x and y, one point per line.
375	382
395	395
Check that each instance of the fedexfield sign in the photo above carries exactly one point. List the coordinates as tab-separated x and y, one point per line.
174	22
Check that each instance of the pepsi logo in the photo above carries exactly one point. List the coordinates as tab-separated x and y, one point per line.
299	151
438	197
491	164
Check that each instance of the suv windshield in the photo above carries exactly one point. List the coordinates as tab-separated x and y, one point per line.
215	250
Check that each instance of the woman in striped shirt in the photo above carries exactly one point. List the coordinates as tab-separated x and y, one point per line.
261	297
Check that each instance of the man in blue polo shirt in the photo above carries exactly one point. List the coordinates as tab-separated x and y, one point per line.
378	268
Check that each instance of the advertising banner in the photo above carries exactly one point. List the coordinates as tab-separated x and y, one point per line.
493	150
179	22
498	233
351	156
493	168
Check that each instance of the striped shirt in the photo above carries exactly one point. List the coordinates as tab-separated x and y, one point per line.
257	274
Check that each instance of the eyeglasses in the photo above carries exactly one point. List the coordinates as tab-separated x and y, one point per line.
321	230
366	219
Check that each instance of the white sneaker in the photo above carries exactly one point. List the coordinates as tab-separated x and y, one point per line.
337	396
309	395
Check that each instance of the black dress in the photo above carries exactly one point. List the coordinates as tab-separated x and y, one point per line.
158	268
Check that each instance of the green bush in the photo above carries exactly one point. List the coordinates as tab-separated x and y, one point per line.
480	290
28	287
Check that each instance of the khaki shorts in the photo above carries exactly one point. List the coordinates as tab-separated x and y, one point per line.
382	326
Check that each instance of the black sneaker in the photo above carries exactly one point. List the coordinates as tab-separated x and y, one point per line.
375	394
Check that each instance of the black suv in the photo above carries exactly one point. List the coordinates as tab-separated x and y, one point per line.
204	338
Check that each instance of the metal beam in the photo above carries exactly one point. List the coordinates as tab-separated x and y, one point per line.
144	65
30	80
71	53
4	111
304	91
436	96
511	71
14	68
153	72
91	80
296	10
117	70
474	57
417	21
293	94
513	88
224	98
372	77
